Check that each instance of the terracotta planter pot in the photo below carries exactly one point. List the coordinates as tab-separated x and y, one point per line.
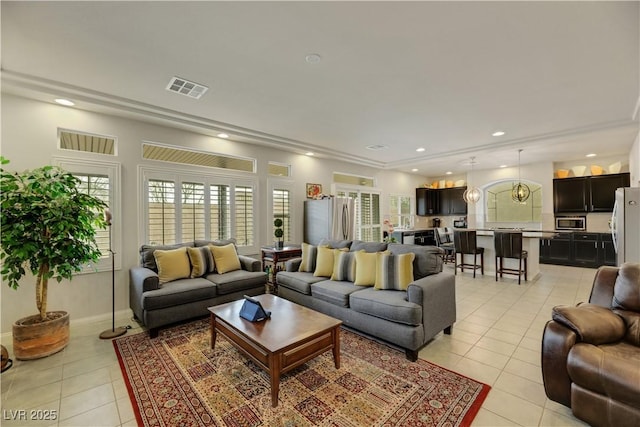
36	340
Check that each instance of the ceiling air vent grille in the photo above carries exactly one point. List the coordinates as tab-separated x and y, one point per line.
377	147
196	158
186	87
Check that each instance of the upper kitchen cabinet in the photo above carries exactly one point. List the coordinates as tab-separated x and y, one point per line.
427	202
603	190
587	194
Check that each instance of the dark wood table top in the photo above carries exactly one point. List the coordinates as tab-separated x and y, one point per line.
289	324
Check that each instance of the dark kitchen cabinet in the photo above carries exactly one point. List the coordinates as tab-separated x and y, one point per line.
588	193
585	249
607	252
451	201
556	250
603	191
570	194
427	201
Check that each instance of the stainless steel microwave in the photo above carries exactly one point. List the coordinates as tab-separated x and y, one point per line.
571	223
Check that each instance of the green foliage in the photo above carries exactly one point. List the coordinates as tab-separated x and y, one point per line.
278	232
47	225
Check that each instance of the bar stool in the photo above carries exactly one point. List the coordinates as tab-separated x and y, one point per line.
443	240
508	244
465	244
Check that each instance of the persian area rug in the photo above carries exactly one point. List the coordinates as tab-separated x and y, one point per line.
178	380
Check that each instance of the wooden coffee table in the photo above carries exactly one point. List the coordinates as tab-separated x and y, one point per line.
292	336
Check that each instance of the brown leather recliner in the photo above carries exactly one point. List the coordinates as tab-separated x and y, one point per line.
591	352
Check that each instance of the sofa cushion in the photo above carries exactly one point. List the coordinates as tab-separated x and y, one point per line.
335	244
223	242
178	292
172	264
626	291
365	268
334	292
388	305
428	259
201	261
146	253
344	266
237	280
394	271
309	255
609	369
359	245
225	258
298	281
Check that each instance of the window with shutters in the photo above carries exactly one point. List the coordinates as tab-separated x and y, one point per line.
368	217
209	208
281	199
102	180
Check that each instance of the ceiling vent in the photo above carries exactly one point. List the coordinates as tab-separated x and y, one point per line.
377	147
187	88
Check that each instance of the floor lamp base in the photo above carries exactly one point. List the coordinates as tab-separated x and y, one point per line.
112	333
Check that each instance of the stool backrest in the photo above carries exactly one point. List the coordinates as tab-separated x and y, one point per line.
507	244
442	236
464	241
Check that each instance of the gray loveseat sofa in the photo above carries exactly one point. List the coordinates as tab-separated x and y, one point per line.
157	305
408	319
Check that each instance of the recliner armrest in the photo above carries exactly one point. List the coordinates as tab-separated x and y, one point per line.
144	279
592	323
250	264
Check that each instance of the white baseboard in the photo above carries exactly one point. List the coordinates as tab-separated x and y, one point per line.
121	315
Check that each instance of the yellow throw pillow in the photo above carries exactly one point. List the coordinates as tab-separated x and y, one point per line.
365	268
225	257
201	261
325	260
394	271
309	255
172	264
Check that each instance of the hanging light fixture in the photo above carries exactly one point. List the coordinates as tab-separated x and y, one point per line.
472	194
520	192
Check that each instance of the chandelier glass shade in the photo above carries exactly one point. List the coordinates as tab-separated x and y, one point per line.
472	194
520	192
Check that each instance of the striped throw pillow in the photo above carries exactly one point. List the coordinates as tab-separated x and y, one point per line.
344	266
201	261
394	271
309	255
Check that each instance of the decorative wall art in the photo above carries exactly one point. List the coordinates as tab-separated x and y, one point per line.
313	190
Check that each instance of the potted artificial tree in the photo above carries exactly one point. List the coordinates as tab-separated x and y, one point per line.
278	233
48	228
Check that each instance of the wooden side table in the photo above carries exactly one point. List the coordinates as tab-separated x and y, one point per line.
275	256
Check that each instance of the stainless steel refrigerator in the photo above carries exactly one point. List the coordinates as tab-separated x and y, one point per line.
332	218
625	225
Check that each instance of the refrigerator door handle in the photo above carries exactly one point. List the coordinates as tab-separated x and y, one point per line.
345	224
614	226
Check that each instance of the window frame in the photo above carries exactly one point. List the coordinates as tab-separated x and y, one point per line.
399	214
281	184
113	171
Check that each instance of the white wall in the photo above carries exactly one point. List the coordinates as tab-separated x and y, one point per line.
29	140
634	162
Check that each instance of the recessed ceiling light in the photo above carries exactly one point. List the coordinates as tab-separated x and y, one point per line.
591	155
503	166
65	102
420	150
448	173
223	135
308	153
313	58
498	133
414	170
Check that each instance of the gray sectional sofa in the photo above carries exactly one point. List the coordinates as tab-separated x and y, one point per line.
157	305
408	319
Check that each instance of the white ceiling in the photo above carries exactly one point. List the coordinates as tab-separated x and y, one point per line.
561	78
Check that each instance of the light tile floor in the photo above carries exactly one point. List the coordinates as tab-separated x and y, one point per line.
496	340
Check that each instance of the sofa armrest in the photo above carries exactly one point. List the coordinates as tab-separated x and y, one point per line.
250	264
592	323
143	279
292	264
557	341
436	294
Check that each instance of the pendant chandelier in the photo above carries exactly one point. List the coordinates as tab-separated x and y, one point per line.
472	194
520	192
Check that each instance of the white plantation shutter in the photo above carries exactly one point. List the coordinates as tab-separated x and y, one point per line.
161	215
243	215
97	186
220	212
282	209
193	207
367	211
